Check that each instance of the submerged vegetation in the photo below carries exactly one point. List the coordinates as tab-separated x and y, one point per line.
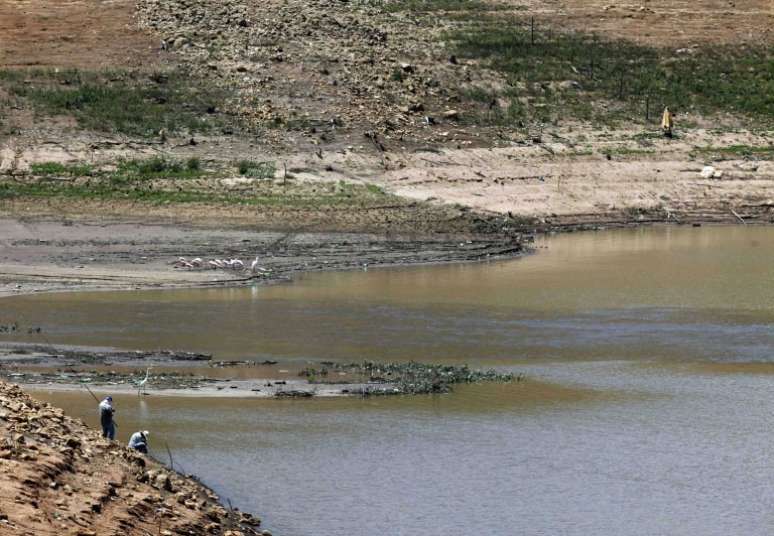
409	378
124	102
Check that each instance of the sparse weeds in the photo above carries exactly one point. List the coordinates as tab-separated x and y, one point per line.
765	152
131	103
583	76
450	6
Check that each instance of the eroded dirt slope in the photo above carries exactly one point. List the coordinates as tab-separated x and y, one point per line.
60	477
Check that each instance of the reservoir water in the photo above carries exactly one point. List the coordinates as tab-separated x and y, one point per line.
647	410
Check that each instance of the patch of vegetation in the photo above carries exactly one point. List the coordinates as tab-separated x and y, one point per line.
409	378
193	164
131	103
157	167
584	76
59	169
740	151
627	151
451	6
156	196
161	180
256	170
375	189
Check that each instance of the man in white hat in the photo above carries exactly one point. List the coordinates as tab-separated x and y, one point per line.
139	441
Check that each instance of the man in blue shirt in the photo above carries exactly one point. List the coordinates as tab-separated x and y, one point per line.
139	441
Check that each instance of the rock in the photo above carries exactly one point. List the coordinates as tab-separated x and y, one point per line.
406	67
179	43
162	481
567	85
249	519
748	166
707	172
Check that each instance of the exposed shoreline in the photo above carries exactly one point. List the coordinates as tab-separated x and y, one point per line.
46	255
56	468
186	374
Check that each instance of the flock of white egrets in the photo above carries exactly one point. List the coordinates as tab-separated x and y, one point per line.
217	264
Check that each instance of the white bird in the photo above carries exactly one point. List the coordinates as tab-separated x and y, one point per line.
254	264
236	264
219	263
213	265
142	383
196	262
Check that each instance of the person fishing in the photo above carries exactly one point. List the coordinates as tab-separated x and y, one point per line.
139	441
106	412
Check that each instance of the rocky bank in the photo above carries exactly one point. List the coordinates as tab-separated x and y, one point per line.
61	477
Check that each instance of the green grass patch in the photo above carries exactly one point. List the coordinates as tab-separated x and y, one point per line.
131	103
165	180
328	195
157	167
627	151
554	75
46	169
256	170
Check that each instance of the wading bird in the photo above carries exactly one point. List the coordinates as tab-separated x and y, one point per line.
254	264
142	383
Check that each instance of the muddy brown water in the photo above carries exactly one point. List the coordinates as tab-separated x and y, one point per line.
648	410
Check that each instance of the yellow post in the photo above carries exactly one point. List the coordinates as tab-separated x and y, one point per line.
667	122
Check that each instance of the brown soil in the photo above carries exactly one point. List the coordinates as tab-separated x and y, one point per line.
89	34
60	477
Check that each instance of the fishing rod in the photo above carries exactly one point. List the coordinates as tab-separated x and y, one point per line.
98	401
